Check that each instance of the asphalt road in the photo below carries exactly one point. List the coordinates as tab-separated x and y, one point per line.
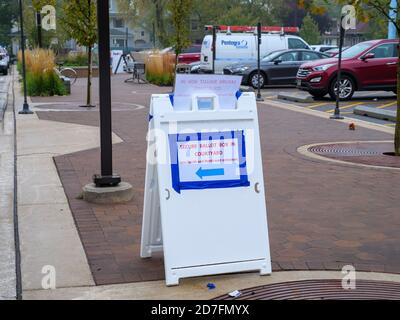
376	99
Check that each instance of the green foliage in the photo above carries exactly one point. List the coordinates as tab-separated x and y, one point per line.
160	80
80	21
180	12
76	60
309	31
44	84
8	14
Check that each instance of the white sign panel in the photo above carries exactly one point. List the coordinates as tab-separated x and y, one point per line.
209	160
116	58
225	87
204	203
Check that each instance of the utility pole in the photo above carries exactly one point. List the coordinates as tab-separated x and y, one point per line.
392	33
25	109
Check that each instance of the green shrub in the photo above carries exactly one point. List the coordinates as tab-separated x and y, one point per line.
45	84
41	78
76	60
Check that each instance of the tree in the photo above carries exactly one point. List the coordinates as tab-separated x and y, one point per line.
309	31
8	15
180	12
80	22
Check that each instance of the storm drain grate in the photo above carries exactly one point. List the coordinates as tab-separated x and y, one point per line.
343	151
321	290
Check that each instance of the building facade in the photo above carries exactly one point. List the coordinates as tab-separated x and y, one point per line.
123	36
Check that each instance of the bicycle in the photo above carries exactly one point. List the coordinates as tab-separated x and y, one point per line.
69	73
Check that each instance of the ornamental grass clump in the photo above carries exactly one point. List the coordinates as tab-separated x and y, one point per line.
41	78
160	68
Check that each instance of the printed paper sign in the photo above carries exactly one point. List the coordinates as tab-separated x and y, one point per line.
224	86
208	160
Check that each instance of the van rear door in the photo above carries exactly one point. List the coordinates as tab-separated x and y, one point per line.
206	53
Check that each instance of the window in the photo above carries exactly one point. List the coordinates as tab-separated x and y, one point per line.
310	56
120	43
142	33
194	25
387	50
289	56
118	23
297	44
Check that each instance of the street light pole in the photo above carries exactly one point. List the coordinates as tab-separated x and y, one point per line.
214	47
107	177
39	28
25	109
337	115
259	39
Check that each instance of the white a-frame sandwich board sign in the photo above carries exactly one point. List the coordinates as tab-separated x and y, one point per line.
204	203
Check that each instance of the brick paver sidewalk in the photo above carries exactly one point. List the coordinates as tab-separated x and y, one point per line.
322	216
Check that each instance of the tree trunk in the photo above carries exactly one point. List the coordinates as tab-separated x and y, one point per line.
160	22
89	83
397	129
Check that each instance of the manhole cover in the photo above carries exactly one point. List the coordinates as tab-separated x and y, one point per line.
321	290
342	150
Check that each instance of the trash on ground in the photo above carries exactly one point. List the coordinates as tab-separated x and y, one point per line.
211	286
235	294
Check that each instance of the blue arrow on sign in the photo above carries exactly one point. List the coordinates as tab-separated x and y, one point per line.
210	173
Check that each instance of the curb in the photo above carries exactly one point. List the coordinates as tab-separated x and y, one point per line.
381	114
296	97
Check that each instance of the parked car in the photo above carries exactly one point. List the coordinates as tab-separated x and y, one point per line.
190	55
370	65
4	61
242	48
3	65
323	48
277	68
335	51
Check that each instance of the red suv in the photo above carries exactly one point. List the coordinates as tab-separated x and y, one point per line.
370	65
190	55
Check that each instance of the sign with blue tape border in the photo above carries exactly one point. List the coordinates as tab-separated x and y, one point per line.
204	173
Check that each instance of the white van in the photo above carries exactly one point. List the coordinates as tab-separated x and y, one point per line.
242	47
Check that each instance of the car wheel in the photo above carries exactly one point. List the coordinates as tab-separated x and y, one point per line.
254	80
5	72
347	88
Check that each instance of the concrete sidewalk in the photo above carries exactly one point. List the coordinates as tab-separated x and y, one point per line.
8	280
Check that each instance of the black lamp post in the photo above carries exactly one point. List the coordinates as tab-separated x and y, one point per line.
39	28
259	40
25	109
107	177
214	47
337	115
